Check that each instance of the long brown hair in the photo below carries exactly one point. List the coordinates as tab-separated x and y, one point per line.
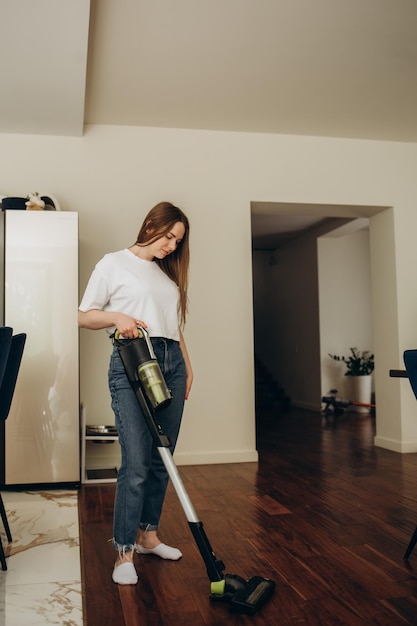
158	223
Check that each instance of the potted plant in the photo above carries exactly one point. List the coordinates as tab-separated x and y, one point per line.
359	365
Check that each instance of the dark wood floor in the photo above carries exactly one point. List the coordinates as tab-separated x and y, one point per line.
325	514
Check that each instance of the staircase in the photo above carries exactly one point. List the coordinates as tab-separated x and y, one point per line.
269	396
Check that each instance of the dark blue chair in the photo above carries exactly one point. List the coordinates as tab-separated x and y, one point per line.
5	342
410	362
8	383
11	352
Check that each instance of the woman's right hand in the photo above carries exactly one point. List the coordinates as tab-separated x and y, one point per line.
128	326
95	319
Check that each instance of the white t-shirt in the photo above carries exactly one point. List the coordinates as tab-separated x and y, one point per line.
123	282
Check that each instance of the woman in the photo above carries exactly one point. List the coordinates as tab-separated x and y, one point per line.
144	285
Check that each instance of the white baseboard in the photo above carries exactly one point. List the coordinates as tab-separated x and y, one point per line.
211	458
403	447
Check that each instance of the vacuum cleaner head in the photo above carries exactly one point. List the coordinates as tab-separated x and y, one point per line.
244	596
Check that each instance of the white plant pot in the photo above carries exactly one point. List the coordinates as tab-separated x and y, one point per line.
362	392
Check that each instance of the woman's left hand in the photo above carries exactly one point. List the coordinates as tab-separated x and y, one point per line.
188	368
188	383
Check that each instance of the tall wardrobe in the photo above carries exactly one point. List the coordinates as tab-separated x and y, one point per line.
40	440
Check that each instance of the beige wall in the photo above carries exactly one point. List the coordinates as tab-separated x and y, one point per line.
113	175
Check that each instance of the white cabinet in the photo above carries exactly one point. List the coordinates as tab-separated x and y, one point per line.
40	291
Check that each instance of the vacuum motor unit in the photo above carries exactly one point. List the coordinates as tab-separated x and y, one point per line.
139	358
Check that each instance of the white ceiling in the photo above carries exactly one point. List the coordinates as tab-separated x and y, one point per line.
336	68
43	58
343	68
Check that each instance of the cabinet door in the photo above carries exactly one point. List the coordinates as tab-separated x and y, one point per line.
41	299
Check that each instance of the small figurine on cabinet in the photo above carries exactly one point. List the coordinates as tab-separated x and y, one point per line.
35	202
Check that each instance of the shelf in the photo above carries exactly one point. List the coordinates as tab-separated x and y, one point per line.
103	475
101	438
96	435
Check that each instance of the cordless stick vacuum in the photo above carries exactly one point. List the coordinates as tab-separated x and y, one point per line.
335	405
147	381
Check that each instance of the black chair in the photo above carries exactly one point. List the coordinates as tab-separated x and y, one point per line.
8	383
410	362
11	353
5	342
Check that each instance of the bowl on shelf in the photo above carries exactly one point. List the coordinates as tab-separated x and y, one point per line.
92	430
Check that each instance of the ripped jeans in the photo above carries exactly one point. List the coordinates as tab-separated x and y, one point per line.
142	479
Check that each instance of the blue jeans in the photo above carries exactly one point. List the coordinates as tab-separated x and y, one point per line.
142	479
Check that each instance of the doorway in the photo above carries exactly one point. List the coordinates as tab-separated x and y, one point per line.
288	337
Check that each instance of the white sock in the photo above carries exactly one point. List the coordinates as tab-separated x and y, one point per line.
161	550
125	574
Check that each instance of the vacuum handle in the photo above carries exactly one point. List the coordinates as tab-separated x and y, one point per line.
144	332
141	332
142	366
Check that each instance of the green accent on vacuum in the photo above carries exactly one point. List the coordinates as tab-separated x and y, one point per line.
217	587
